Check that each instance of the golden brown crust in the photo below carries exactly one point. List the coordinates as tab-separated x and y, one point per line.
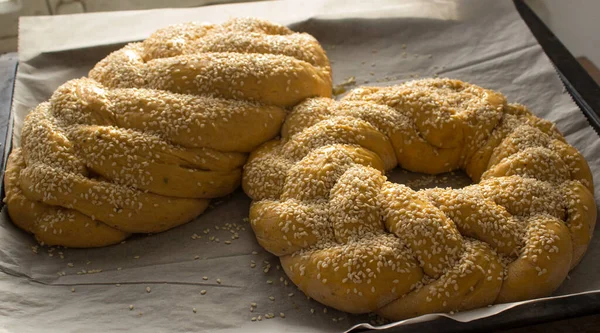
52	225
270	79
356	242
543	262
580	219
328	271
190	121
242	59
158	129
473	282
121	207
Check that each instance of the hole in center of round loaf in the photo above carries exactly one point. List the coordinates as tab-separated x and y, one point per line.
417	181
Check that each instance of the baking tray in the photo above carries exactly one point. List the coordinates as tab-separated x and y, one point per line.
585	93
8	72
578	83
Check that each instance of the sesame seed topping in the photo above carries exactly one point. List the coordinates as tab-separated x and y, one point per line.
115	153
323	204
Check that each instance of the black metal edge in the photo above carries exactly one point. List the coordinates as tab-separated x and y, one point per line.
577	81
8	74
531	313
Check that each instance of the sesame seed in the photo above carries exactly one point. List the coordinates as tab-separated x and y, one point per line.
344	206
324	179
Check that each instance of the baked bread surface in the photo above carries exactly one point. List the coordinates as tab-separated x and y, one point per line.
157	129
354	241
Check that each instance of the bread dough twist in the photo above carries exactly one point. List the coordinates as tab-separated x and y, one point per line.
157	129
354	241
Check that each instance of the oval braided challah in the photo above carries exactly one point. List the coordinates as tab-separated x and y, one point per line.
158	128
354	241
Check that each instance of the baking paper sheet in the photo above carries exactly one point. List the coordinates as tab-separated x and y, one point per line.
65	290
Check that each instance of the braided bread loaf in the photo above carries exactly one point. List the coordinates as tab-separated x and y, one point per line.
159	128
352	240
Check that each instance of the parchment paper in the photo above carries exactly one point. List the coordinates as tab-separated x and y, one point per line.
64	290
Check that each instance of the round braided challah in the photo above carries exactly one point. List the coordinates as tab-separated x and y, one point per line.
158	129
352	240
